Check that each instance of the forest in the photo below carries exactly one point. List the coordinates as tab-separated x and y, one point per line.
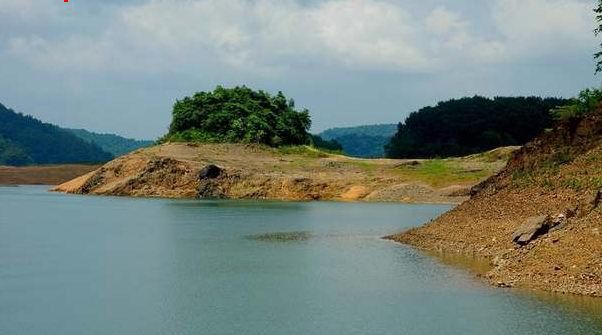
470	125
25	140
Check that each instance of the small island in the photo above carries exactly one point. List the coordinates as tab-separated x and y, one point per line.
238	143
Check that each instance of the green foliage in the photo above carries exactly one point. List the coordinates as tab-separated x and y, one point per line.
523	178
12	154
26	140
362	141
439	172
239	114
573	183
320	143
586	102
301	150
470	125
114	144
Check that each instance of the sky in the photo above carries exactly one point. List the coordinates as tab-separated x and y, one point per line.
119	65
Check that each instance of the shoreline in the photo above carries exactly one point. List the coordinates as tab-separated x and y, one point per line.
235	171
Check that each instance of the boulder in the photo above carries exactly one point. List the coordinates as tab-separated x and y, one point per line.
531	229
210	172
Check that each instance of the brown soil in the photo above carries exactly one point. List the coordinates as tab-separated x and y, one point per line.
558	173
299	173
42	175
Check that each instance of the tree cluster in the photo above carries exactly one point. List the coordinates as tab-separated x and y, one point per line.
239	114
470	125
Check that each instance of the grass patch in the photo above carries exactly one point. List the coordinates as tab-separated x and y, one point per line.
573	183
443	172
302	150
364	166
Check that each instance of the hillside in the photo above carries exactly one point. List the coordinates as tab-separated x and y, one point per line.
113	144
539	221
362	141
251	171
25	140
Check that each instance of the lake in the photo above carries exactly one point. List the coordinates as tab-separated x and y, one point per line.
104	265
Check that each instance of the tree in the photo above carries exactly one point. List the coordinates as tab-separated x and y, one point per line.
598	31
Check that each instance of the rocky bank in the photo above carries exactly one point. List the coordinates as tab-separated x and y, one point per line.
539	221
237	171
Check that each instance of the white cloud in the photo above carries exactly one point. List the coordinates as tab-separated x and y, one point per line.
443	21
536	27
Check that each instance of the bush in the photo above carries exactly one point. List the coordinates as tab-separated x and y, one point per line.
586	102
239	114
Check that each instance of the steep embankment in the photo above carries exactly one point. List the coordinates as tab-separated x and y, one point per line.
539	220
298	173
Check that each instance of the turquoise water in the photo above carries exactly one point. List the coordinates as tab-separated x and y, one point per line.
100	265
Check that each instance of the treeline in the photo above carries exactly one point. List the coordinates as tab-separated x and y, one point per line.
469	125
25	140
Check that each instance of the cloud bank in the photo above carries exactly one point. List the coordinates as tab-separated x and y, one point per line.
270	40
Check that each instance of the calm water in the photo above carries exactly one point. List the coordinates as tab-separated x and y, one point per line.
93	265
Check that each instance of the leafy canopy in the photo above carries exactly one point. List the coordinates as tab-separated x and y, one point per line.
471	125
239	114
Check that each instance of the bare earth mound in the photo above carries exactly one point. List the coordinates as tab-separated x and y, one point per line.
236	171
539	220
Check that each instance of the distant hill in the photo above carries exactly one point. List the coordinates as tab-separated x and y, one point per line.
362	141
114	144
25	140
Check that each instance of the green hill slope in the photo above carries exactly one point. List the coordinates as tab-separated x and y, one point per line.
114	144
362	141
25	140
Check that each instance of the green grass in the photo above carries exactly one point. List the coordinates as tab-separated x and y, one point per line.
441	172
302	150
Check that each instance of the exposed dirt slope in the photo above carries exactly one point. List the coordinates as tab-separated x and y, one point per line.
300	173
558	175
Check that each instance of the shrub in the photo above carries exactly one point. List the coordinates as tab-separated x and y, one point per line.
586	102
239	114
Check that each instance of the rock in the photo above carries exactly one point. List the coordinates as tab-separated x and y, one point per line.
531	229
210	172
